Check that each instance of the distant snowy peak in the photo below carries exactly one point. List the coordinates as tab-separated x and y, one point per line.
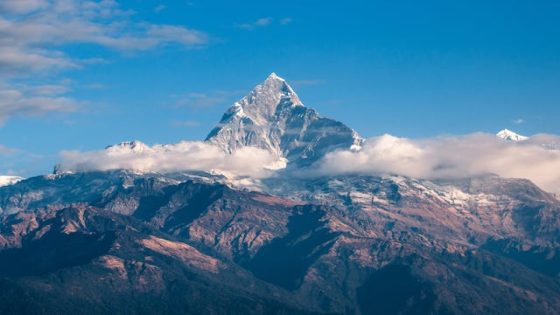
6	180
272	117
509	135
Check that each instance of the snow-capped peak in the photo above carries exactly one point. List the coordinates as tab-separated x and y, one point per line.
264	100
274	76
509	135
273	118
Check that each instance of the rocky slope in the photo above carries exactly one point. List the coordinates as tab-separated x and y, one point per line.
340	244
81	259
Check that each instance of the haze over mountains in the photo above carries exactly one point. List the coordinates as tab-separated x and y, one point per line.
283	211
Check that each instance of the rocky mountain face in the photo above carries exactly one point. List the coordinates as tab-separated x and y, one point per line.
190	243
82	260
273	118
339	245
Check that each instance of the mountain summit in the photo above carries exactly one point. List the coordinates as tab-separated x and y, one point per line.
273	118
509	135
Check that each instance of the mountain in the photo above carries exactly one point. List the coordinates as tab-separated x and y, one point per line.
84	260
125	242
510	135
273	118
122	241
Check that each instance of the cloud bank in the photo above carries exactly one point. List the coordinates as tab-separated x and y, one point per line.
34	100
183	156
537	159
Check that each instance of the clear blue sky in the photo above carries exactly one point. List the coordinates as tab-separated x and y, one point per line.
409	68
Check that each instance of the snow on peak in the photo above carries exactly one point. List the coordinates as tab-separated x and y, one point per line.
273	118
509	135
6	180
274	76
261	104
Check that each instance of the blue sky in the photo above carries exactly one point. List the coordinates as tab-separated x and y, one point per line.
82	75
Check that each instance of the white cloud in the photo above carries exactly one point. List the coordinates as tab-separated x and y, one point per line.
104	23
184	156
33	34
22	6
262	22
286	21
160	8
537	159
34	100
18	61
518	121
